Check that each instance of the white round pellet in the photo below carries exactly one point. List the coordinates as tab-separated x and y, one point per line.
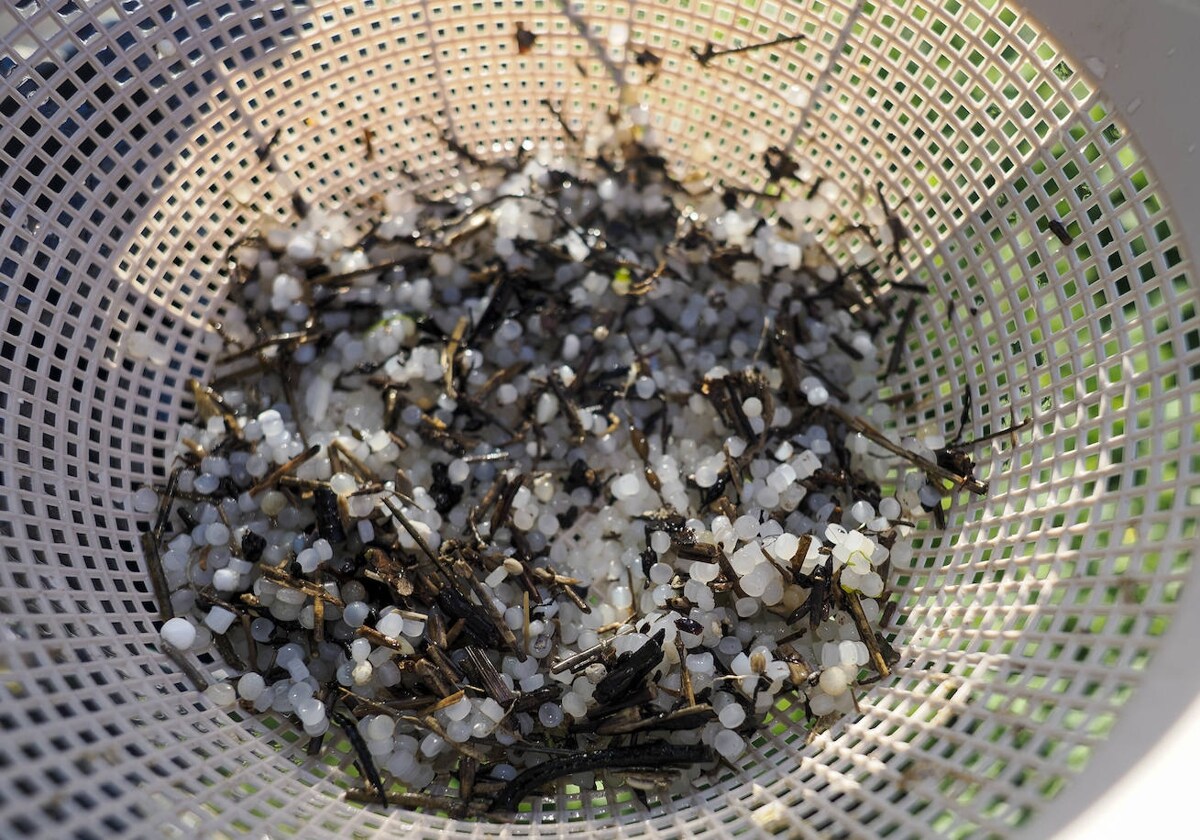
206	483
785	547
361	673
550	715
261	628
871	610
929	496
381	727
534	681
221	694
458	731
699	663
179	633
401	764
458	471
219	619
834	681
660	541
459	710
217	534
308	559
547	407
299	691
821	704
620	597
871	585
251	686
729	744
145	500
889	508
705	475
310	710
861	511
343	484
272	503
491	709
626	486
432	744
574	705
547	523
504	772
506	394
661	573
360	649
226	580
746	527
287	653
732	716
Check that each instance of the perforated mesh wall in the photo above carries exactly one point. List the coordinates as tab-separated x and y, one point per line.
128	167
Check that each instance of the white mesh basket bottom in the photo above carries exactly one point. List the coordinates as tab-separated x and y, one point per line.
127	167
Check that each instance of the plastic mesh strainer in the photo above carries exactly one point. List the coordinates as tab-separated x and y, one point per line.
127	166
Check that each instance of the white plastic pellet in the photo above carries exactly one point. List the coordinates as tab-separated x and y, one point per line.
219	619
729	744
889	507
251	686
217	534
458	731
459	710
550	715
834	681
458	471
360	649
626	486
660	541
145	500
574	705
179	633
661	573
221	694
431	745
362	672
226	580
732	716
355	613
491	709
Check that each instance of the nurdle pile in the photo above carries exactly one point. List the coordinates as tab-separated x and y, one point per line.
579	472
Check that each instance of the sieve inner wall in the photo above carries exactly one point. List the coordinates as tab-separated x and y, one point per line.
128	167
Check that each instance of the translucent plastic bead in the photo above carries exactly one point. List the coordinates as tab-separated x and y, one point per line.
356	613
732	716
729	744
251	686
550	715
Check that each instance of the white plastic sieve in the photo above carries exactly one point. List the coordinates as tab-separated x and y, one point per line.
1032	626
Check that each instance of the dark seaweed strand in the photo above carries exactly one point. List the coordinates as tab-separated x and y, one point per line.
612	758
629	671
366	764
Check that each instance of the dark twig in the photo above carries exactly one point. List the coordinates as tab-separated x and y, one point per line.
642	755
710	52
